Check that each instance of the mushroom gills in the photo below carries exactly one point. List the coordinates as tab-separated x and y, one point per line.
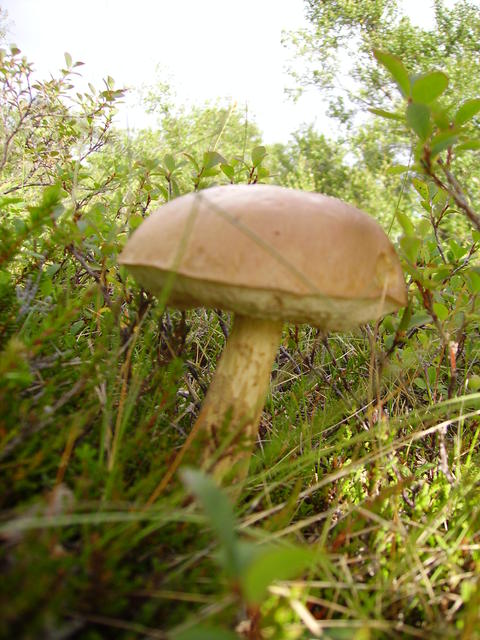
324	312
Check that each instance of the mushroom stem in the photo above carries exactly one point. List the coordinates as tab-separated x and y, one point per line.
228	422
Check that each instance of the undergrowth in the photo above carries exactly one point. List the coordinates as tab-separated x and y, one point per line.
360	515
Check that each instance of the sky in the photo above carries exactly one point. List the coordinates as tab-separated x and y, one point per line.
206	49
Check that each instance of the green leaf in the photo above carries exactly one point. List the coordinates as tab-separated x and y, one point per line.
258	154
212	158
52	269
469	145
420	383
205	633
76	327
441	118
192	160
474	382
423	227
134	221
421	188
228	170
457	249
440	199
441	142
405	319
440	310
397	169
411	246
262	172
169	162
207	173
428	87
275	563
387	114
418	119
219	512
175	188
419	319
474	281
406	224
68	59
426	205
396	69
467	111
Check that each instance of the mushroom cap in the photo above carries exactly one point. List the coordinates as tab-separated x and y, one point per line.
268	252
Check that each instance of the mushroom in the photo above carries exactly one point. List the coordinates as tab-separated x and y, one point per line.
268	254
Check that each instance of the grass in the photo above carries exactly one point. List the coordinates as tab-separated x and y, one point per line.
87	552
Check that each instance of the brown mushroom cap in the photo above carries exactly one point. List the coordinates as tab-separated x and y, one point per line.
269	252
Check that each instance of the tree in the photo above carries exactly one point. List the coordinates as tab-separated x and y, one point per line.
336	50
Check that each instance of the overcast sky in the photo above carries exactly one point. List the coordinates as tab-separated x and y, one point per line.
208	49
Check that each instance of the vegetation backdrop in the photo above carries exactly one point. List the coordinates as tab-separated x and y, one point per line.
360	517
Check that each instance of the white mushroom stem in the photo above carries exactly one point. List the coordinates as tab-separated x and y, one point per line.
228	422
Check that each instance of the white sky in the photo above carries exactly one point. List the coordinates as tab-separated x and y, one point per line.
208	49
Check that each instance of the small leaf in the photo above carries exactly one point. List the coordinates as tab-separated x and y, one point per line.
423	227
219	512
258	154
457	249
68	59
426	205
175	188
169	162
474	382
275	563
192	160
212	158
262	172
469	145
206	633
207	173
396	69
387	114
421	188
406	224
76	327
52	269
397	169
228	170
440	310
418	118
441	118
420	383
474	281
428	87
441	142
467	111
411	246
134	221
419	319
